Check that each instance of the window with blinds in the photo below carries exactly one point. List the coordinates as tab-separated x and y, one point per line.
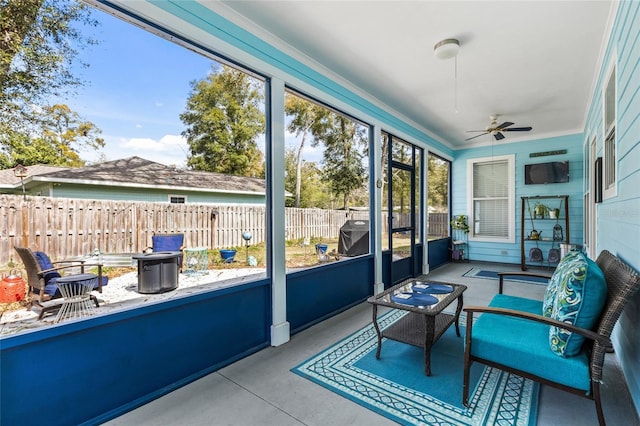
491	198
609	159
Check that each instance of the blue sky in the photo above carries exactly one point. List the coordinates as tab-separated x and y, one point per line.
137	87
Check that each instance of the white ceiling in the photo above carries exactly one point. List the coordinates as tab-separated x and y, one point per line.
533	63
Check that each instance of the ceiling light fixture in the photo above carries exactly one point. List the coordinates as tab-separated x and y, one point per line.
447	48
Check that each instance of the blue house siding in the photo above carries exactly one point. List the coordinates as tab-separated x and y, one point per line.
618	218
97	192
491	251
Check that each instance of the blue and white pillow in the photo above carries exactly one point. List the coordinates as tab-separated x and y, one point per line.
580	296
562	270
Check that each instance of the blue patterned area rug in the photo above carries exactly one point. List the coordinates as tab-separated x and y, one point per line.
395	385
493	275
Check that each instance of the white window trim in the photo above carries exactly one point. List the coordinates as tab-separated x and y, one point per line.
611	191
170	196
511	238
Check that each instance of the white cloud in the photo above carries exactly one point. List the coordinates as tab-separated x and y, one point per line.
166	143
138	126
169	149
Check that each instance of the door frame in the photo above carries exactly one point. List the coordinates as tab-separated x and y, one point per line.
406	267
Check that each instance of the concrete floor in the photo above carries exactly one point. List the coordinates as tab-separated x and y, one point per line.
261	389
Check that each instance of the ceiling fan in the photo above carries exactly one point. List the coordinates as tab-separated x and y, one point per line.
496	130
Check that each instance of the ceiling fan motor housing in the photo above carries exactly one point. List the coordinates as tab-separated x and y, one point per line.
496	130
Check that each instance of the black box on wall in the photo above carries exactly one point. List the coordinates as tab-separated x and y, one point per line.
597	180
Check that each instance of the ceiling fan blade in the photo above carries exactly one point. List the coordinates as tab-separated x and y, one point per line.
518	129
504	125
499	136
477	136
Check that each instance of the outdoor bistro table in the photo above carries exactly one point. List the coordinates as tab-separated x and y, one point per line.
76	293
424	323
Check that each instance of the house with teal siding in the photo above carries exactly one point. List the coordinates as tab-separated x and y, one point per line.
136	179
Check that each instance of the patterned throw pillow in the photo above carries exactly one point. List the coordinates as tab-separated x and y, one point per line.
580	297
565	265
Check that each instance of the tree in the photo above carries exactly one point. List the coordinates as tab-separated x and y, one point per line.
22	149
39	41
401	179
305	117
314	192
223	120
345	147
345	150
61	133
438	192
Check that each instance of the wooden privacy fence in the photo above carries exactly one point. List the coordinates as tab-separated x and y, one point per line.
67	227
307	223
438	225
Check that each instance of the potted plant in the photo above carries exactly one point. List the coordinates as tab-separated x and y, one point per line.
540	211
554	213
460	222
228	255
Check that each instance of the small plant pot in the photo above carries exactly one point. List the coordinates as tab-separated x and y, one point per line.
227	255
321	249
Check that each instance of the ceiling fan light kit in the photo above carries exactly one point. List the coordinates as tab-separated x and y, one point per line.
447	48
496	130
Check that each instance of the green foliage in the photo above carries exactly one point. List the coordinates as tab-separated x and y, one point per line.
55	141
39	41
223	120
304	117
460	222
540	210
345	144
438	182
314	192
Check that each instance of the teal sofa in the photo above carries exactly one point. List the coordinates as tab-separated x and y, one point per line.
517	335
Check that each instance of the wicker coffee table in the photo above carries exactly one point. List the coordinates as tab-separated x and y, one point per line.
424	322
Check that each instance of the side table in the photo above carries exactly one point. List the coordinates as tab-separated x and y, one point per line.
196	259
423	325
76	292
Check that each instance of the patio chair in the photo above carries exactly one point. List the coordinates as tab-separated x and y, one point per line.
42	275
512	334
168	242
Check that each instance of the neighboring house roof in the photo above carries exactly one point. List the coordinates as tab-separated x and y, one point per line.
141	173
8	177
